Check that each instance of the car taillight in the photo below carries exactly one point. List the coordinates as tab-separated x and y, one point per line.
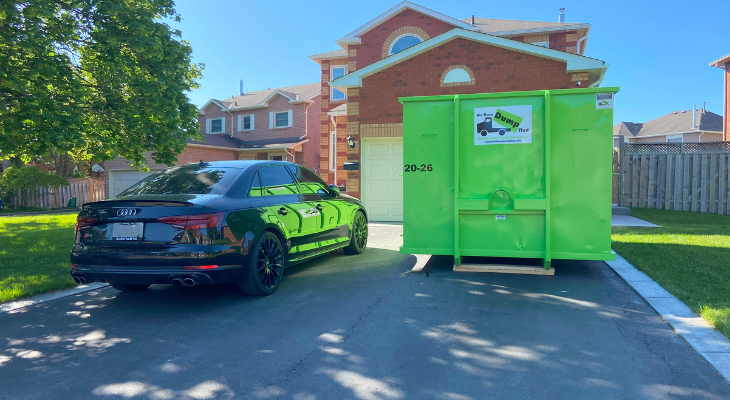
201	267
84	222
194	222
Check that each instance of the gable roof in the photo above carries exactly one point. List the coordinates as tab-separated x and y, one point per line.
354	36
258	99
218	141
574	62
674	122
627	128
720	62
501	27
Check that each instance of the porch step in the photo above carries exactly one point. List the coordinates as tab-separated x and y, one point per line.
504	269
617	210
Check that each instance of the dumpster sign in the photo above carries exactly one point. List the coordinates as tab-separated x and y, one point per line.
503	125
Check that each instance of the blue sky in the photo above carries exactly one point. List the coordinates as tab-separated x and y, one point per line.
658	50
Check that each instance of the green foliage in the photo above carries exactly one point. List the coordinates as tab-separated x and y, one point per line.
14	178
94	79
79	174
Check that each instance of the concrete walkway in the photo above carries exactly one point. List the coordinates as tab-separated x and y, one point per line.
627	220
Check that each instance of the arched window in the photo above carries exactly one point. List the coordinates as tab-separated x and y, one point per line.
404	42
457	75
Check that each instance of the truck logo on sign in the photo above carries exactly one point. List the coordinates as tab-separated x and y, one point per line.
512	124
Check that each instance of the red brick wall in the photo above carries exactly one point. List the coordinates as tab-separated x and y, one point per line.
495	70
371	43
193	154
261	120
311	148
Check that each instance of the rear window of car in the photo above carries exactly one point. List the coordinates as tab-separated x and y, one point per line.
187	179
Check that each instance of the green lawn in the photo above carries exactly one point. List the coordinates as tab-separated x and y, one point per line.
34	254
689	256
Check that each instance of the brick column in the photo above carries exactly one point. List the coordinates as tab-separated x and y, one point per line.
353	129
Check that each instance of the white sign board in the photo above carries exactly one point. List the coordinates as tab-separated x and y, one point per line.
604	100
503	125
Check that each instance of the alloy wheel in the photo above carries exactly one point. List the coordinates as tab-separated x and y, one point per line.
361	231
270	263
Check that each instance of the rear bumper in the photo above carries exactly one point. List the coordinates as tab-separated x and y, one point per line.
151	275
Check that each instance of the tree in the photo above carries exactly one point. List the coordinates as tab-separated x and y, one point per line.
94	79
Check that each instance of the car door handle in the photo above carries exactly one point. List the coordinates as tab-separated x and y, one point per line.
283	211
318	207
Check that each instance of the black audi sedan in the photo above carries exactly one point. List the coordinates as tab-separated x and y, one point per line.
227	221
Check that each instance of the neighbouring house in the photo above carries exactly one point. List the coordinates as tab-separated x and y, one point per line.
691	126
413	51
272	124
724	63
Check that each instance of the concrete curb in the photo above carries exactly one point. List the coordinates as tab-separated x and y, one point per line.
42	298
707	341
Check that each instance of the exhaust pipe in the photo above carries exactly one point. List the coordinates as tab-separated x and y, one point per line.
177	281
79	279
189	282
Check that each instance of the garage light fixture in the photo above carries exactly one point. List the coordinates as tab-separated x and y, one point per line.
351	142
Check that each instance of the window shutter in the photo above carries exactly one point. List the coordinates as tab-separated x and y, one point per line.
251	121
271	120
240	127
207	125
290	121
223	125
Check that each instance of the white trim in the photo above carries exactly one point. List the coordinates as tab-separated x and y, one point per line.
573	62
537	30
332	89
395	10
277	91
390	49
342	53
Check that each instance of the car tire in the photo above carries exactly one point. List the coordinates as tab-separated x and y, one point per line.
359	236
129	288
266	266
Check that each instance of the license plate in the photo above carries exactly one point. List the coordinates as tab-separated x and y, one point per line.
128	231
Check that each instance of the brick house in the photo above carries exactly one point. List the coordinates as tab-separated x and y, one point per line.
690	126
272	124
413	51
724	63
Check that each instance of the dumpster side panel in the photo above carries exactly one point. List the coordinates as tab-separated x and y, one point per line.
428	159
581	139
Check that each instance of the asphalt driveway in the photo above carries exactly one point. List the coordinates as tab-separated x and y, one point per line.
358	327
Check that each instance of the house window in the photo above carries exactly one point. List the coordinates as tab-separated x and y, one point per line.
245	122
542	44
216	126
457	75
333	150
280	119
675	139
403	42
337	71
275	158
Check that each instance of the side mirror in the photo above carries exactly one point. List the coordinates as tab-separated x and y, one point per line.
334	191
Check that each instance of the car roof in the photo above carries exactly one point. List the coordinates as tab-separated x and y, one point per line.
242	164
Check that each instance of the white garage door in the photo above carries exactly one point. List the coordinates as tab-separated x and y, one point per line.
120	180
382	178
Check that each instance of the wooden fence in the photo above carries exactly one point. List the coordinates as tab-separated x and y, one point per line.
676	176
84	190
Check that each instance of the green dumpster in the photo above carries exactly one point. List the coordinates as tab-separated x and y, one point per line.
518	174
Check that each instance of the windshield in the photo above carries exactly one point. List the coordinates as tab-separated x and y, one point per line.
187	179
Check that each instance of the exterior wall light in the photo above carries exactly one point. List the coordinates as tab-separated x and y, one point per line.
351	142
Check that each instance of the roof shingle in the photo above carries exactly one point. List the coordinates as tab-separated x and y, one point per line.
491	25
677	121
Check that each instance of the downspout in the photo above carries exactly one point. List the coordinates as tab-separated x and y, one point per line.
332	118
229	113
577	45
